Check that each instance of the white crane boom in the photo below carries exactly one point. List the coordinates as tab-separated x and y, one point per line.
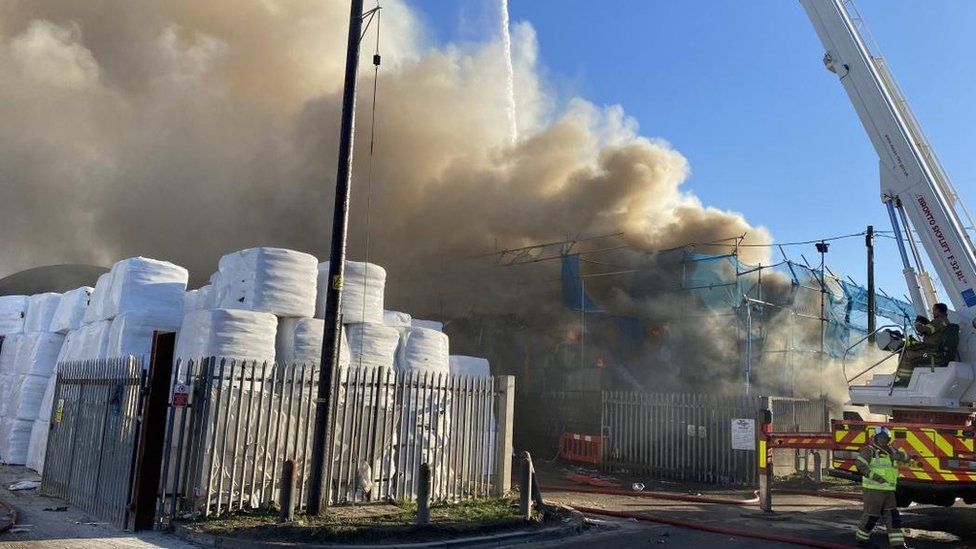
913	182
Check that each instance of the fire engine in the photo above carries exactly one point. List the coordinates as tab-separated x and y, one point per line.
931	417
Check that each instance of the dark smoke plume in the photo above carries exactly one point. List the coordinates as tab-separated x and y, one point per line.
183	130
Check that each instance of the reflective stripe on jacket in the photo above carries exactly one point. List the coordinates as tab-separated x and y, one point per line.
873	461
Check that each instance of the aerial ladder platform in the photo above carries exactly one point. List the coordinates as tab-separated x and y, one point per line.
932	417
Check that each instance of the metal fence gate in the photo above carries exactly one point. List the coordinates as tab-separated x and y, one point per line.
677	436
688	437
232	424
94	434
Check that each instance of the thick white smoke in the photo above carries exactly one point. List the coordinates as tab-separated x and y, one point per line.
183	130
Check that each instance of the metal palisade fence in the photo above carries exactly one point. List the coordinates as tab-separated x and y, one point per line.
800	415
677	436
232	425
94	433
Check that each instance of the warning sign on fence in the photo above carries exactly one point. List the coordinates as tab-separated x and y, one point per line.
181	395
743	434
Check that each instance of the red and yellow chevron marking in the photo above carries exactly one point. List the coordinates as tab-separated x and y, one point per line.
925	443
927	472
845	465
851	437
801	440
960	443
933	443
928	469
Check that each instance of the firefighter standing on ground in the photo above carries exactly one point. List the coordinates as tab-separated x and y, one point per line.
926	352
878	464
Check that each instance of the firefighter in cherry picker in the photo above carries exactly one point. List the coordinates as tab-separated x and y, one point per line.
939	341
877	463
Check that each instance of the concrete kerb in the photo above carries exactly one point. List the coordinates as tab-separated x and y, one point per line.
571	527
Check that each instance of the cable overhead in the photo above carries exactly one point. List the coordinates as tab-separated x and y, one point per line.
377	14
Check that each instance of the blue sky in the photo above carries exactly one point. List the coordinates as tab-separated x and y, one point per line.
740	90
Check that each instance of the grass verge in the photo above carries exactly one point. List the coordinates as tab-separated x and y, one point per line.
373	523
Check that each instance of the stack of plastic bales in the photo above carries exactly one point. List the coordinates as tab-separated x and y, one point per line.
27	364
144	295
367	343
115	319
424	354
135	298
236	315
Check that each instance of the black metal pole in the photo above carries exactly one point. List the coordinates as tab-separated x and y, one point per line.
822	248
337	259
869	243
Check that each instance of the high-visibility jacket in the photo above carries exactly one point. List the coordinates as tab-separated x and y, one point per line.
879	467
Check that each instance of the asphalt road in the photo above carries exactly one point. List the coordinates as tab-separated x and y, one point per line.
623	534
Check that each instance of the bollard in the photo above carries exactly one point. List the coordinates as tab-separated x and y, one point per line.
817	467
536	491
423	496
525	487
287	494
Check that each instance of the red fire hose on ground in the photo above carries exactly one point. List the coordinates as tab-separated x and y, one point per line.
694	525
698	498
655	495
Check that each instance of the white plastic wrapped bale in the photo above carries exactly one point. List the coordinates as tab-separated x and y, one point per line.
228	333
40	311
24	397
396	319
71	310
98	302
144	285
8	352
427	324
33	365
363	285
206	298
47	400
9	347
37	446
191	301
132	333
372	345
13	312
86	343
299	340
270	280
469	366
37	354
423	350
14	440
8	358
6	392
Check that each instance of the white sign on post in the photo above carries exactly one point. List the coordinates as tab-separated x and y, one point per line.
743	434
